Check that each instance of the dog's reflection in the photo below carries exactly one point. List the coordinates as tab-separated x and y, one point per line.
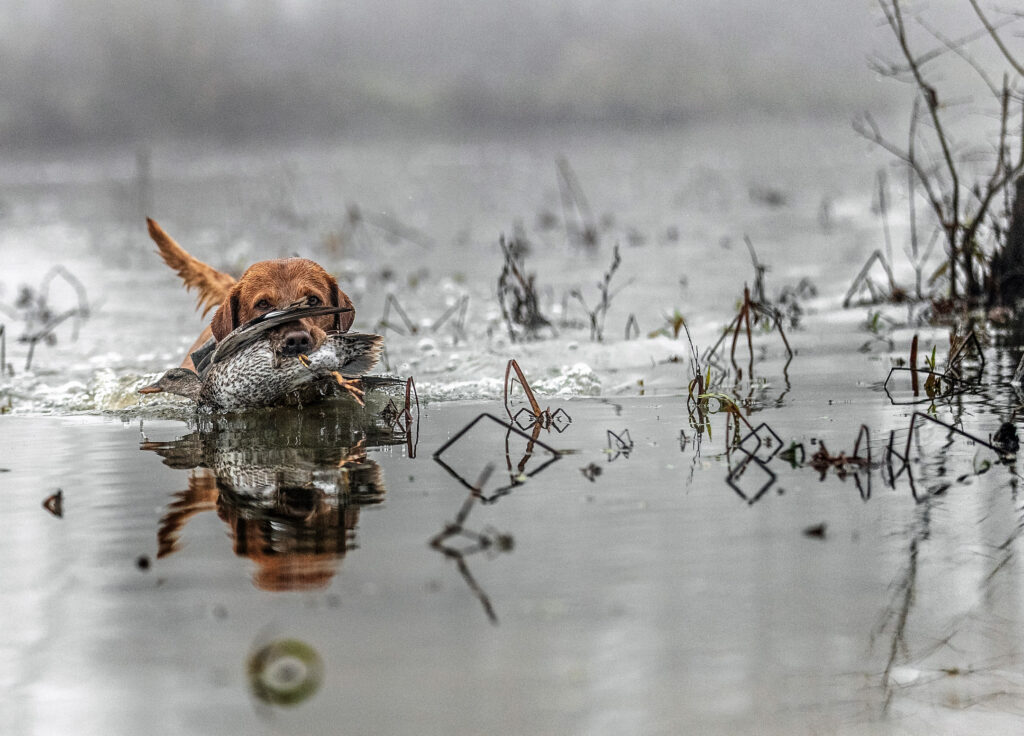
292	506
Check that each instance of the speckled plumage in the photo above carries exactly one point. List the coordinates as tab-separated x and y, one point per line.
256	376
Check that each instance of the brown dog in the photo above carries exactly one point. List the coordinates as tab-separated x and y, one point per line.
265	286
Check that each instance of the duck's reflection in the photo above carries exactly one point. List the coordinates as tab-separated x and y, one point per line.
289	489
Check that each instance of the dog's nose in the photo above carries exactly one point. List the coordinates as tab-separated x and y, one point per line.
297	342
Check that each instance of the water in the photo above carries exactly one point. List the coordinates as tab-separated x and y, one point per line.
589	592
681	199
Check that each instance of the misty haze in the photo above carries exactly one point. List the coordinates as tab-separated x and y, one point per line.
115	71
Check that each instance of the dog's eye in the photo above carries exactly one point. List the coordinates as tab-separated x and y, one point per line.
313	301
263	305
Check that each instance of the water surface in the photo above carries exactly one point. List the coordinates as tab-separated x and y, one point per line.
662	582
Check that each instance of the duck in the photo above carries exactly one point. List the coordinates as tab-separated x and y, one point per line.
245	372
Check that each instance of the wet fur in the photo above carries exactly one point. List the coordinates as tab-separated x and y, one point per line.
279	282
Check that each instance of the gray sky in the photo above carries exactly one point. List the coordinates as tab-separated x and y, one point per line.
122	70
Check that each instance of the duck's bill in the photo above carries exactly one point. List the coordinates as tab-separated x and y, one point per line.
151	389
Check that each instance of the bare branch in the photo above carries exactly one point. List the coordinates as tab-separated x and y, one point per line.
1000	176
959	50
868	128
892	69
931	99
995	37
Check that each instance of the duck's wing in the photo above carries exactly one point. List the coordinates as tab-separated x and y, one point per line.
357	352
202	357
254	329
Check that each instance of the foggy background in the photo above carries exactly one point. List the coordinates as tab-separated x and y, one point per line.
123	71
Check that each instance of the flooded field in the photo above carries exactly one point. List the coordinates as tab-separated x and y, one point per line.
835	555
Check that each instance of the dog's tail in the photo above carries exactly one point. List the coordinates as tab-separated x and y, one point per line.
212	285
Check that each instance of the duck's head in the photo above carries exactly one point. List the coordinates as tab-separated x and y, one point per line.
180	381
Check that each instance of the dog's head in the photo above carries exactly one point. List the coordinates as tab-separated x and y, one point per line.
270	285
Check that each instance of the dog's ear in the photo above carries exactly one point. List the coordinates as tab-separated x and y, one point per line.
339	298
226	318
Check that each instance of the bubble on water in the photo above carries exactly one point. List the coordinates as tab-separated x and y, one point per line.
285	672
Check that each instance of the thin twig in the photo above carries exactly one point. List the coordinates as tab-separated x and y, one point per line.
995	37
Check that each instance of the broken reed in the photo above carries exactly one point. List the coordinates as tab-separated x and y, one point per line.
542	418
597	315
633	328
750	313
951	381
913	366
580	226
41	321
520	302
517	295
460	307
354	229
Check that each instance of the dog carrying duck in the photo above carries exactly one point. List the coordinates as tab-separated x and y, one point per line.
279	330
246	371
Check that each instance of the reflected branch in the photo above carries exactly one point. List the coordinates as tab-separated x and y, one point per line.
516	478
489	541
